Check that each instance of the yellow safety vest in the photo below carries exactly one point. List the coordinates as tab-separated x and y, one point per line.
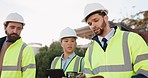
123	58
19	61
74	65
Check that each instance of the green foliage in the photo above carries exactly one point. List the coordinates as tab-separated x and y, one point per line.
42	63
55	49
45	57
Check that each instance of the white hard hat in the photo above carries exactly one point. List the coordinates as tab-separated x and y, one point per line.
68	32
14	17
90	8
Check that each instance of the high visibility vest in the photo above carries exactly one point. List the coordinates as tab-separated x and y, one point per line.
122	58
74	65
18	61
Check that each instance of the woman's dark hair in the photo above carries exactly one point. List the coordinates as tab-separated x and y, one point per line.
100	12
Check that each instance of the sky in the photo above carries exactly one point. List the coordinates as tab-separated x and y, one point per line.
46	18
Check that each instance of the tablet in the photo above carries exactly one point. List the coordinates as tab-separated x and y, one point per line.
55	73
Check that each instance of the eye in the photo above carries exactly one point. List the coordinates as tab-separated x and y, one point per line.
19	28
12	27
89	24
65	40
96	20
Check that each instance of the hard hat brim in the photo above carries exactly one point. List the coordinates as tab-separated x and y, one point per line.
13	21
84	19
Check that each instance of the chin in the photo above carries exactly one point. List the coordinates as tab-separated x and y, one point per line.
70	51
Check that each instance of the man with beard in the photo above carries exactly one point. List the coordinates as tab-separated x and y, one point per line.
16	57
113	53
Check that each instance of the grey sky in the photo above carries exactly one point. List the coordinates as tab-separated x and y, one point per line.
46	18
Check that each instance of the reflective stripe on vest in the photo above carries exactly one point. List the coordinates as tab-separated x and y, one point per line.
18	67
113	68
55	62
28	66
75	66
141	57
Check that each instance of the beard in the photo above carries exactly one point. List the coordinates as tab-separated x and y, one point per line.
12	37
102	28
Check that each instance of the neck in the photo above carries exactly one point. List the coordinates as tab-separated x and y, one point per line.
106	31
66	55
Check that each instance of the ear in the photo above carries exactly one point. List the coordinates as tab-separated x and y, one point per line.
106	18
5	28
61	43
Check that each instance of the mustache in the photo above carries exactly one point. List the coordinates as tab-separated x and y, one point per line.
14	34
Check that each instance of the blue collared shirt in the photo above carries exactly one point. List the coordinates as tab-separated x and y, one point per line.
66	61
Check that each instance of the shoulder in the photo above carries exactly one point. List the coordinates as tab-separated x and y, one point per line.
134	36
56	58
2	41
2	38
131	35
136	39
27	49
79	58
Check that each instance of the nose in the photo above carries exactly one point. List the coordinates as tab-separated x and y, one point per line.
69	43
92	26
15	30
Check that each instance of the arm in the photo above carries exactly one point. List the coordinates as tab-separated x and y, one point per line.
54	62
28	63
51	67
87	67
139	52
82	64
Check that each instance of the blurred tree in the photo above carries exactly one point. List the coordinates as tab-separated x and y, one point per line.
137	22
80	51
42	63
